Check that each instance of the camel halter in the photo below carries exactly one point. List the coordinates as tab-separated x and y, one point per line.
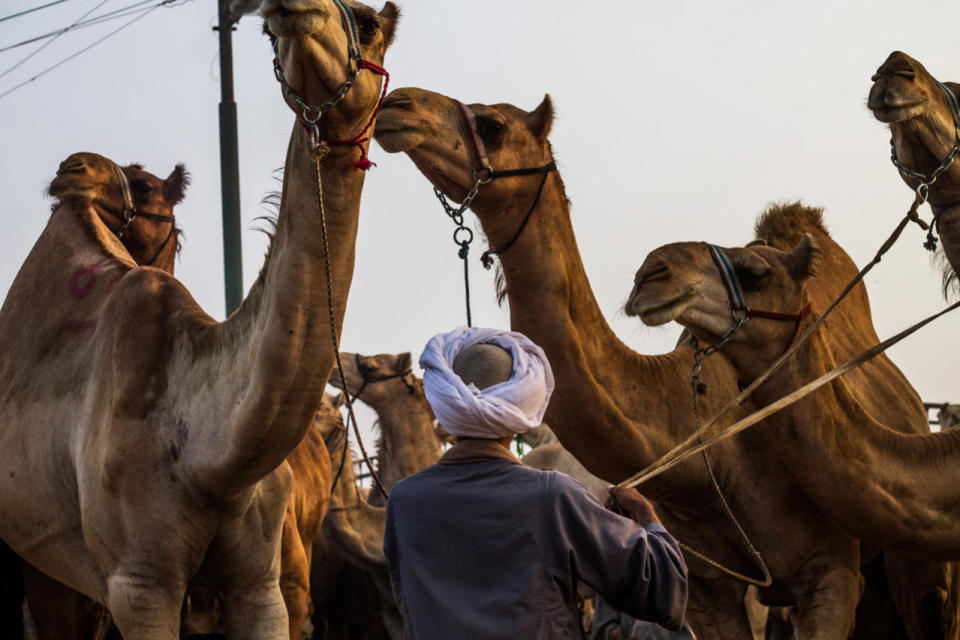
367	380
310	117
130	212
923	189
310	114
482	174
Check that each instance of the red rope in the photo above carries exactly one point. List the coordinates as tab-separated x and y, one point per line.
363	163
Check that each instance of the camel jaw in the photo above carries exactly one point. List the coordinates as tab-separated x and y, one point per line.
396	134
656	312
897	113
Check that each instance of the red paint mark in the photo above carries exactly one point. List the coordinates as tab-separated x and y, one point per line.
84	280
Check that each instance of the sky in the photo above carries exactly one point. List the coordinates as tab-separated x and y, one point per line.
675	121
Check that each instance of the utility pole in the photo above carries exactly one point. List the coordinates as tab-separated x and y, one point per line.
229	164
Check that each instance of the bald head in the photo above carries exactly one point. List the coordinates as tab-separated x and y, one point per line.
484	365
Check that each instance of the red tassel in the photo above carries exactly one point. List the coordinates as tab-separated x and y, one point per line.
363	164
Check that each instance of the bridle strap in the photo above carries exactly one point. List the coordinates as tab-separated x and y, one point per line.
310	114
735	295
402	375
485	257
478	152
130	212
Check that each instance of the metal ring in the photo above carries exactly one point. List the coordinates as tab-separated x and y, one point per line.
456	233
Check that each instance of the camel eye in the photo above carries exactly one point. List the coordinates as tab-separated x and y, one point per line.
369	28
491	131
142	188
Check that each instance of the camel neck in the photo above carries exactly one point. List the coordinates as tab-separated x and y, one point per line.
614	409
407	440
281	332
948	226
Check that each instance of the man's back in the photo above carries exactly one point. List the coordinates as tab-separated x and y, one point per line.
480	546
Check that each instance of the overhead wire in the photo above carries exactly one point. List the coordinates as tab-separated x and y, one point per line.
81	24
143	13
51	41
23	13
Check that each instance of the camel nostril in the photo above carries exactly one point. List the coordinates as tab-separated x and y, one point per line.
71	166
656	272
398	102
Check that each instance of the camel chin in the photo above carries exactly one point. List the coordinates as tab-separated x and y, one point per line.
397	138
656	312
898	114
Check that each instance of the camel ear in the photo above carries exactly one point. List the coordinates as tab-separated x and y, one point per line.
748	266
389	17
404	361
803	259
175	186
339	400
540	119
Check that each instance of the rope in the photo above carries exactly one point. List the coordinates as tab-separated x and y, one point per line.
664	464
773	368
318	153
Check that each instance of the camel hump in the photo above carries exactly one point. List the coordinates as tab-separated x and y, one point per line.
783	224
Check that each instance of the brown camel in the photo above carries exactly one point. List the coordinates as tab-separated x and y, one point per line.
349	580
602	410
408	442
827	439
128	413
923	129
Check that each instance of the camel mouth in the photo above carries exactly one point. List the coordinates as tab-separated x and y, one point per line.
657	312
895	113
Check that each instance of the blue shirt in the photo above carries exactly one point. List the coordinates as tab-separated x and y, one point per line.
480	546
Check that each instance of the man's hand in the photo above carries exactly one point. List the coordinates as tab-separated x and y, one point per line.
636	505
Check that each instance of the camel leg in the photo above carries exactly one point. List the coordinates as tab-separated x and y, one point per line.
145	603
295	577
715	609
246	564
826	609
59	612
921	592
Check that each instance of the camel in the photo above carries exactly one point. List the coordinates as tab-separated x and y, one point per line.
827	439
408	442
948	416
138	207
349	580
892	500
602	410
129	413
923	128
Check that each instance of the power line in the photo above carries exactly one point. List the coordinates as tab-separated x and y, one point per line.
80	24
51	41
144	13
23	13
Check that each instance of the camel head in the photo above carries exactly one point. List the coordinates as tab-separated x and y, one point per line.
151	237
377	379
313	49
428	127
921	119
683	282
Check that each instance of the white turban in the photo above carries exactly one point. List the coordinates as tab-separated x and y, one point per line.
500	410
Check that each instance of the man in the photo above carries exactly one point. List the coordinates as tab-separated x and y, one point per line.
480	546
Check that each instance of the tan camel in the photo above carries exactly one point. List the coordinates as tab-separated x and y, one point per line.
138	207
408	442
128	413
617	410
923	127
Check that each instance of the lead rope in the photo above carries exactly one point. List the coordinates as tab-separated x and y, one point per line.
695	390
319	151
